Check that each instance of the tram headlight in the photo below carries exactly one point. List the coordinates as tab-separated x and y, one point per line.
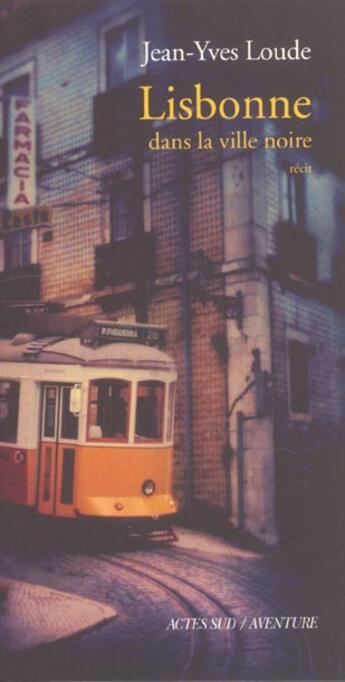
148	487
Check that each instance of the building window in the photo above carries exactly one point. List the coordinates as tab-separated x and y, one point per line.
299	378
122	211
293	197
122	53
18	249
9	402
109	404
150	410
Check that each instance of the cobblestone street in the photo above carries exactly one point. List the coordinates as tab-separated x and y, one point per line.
196	609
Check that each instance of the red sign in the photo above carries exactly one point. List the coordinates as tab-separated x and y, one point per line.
21	178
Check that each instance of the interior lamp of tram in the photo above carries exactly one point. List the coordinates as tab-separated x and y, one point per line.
75	400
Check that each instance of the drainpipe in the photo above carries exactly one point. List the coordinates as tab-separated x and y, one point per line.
240	469
227	451
184	177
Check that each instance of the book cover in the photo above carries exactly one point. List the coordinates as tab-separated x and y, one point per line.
172	348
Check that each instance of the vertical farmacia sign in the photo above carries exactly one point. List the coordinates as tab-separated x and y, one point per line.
21	167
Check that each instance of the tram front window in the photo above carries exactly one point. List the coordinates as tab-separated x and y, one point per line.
109	409
150	410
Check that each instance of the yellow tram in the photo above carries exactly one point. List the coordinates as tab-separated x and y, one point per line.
86	424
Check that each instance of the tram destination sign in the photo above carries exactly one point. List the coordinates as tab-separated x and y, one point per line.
99	331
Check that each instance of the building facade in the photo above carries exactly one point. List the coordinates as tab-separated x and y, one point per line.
240	257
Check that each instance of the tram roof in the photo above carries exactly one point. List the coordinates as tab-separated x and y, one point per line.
26	348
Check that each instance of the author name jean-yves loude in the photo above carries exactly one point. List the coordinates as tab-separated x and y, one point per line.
200	106
205	50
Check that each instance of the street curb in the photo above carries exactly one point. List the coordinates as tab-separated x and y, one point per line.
11	661
33	616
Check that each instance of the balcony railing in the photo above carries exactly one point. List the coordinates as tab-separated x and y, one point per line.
128	260
296	252
116	119
21	283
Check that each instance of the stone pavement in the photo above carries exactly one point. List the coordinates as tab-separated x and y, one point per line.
31	615
226	575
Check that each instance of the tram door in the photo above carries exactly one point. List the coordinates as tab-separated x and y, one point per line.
59	433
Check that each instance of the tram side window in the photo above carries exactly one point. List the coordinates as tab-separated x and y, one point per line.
9	402
109	409
150	410
171	405
50	409
69	421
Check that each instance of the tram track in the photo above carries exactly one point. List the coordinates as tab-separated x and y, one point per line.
305	659
213	654
301	644
191	596
299	654
148	586
307	651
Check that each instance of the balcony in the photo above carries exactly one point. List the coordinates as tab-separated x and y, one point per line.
128	260
20	284
296	253
116	119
